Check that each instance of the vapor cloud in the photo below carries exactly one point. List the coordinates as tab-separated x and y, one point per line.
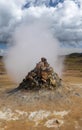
31	42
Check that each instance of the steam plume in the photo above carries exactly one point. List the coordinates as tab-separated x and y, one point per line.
31	42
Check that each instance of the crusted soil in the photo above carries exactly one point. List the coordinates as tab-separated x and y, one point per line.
58	109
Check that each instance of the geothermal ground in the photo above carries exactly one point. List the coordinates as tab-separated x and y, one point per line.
60	109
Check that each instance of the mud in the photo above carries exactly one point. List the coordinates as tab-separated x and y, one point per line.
60	109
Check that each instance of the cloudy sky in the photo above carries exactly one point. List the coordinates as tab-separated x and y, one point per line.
64	19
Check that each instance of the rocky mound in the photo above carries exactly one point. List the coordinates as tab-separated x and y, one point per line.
42	76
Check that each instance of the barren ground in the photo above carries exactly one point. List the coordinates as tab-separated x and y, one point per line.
60	109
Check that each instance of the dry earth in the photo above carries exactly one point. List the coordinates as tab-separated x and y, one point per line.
60	109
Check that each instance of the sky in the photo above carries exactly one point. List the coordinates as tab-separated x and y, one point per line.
64	20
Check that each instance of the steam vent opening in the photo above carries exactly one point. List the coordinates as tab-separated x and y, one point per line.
41	77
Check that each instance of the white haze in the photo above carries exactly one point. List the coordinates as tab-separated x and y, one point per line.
36	32
32	42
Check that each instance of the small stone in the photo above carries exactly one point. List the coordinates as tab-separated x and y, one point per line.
57	121
77	94
44	75
53	82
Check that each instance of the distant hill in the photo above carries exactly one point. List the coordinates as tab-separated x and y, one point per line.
1	57
73	55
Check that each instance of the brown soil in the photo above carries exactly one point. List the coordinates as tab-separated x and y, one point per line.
67	98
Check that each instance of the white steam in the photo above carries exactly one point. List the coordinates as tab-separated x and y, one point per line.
32	42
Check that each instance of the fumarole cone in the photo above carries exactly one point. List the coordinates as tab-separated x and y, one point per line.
42	76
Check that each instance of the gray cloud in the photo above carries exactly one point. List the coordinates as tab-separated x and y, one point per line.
10	14
65	20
